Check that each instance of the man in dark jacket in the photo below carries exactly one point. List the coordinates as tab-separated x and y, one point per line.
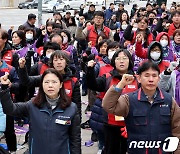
120	11
109	12
30	23
151	115
88	15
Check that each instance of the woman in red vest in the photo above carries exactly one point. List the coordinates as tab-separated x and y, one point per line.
122	64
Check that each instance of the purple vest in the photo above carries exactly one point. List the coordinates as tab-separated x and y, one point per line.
176	49
22	52
169	56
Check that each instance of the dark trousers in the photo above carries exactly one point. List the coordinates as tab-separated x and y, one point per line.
10	134
114	142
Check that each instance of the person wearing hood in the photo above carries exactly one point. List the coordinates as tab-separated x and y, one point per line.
88	15
153	53
59	60
176	23
122	64
164	40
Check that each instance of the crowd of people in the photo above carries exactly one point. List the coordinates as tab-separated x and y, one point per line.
127	63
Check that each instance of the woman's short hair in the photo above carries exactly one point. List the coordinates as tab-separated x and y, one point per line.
126	52
58	54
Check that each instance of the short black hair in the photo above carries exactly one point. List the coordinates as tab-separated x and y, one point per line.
122	4
111	4
31	16
148	4
99	13
174	13
50	45
147	65
126	52
113	44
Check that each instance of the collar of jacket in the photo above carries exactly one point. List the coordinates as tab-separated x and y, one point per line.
158	97
30	25
47	108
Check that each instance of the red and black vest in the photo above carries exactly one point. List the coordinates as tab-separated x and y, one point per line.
92	34
127	89
69	86
42	67
8	57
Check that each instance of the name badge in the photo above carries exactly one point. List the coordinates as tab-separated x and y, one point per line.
63	122
119	118
131	86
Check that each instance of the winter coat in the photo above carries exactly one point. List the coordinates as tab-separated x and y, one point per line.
169	83
51	131
34	81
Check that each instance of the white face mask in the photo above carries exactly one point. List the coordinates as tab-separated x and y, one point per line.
29	36
48	55
111	53
164	43
124	27
65	40
134	29
155	55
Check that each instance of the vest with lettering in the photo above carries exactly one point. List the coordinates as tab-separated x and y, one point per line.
8	57
112	119
92	34
148	122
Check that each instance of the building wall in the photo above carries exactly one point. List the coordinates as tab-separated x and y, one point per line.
10	3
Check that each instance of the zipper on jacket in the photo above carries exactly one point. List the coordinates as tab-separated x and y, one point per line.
32	140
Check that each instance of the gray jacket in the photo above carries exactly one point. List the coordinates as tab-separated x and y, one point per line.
51	131
168	82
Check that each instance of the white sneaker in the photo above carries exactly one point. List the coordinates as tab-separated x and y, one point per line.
99	152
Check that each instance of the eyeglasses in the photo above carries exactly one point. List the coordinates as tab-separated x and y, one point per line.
121	58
